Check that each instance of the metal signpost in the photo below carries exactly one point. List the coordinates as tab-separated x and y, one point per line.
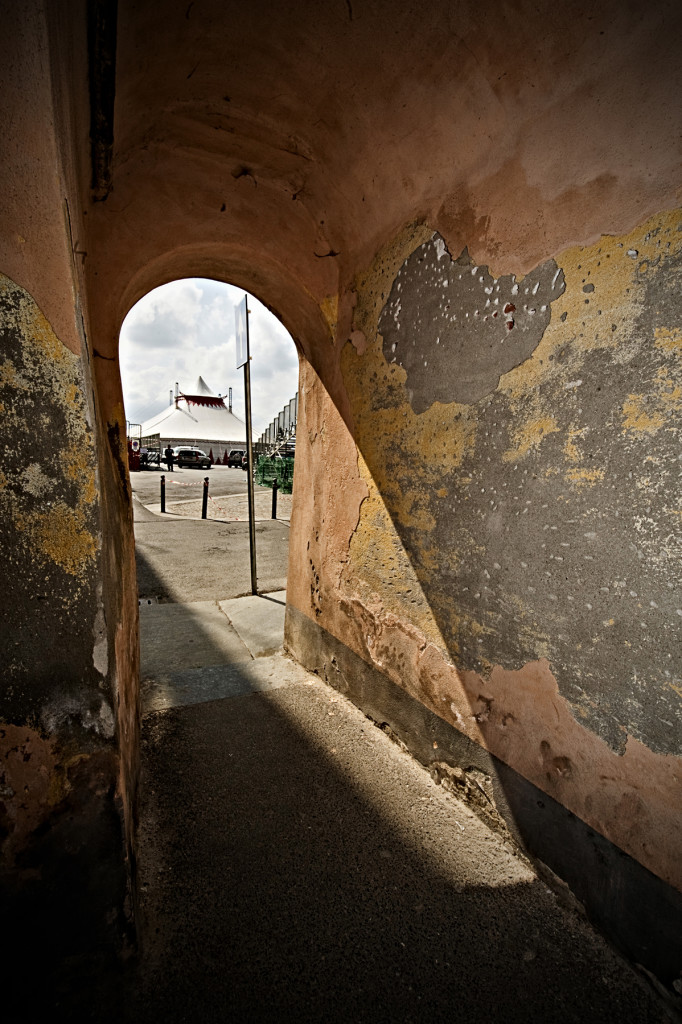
241	315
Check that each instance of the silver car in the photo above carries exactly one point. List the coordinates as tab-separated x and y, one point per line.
191	457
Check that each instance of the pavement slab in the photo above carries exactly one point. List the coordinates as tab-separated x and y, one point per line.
184	687
183	560
197	634
258	620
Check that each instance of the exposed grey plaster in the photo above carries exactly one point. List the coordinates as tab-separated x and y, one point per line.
100	652
569	549
66	710
455	329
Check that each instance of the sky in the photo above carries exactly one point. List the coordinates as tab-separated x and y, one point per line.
186	329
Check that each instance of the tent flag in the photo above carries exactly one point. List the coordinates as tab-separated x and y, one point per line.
212	401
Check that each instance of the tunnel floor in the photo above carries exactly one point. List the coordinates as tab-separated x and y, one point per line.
294	863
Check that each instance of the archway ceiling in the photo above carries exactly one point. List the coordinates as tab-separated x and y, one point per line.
282	144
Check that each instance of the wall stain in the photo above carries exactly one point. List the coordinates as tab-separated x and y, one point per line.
521	718
532	521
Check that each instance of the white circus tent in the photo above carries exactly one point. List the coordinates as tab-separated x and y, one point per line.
201	418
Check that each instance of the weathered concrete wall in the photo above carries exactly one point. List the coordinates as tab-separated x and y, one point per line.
509	550
63	792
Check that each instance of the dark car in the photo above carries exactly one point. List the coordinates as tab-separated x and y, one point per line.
234	459
191	457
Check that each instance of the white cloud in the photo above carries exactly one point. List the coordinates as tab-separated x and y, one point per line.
186	329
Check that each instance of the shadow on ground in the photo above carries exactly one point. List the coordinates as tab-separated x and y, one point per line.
295	864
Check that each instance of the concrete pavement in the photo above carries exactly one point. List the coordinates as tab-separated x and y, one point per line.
295	864
182	560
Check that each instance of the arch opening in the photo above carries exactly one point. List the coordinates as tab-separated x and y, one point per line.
184	400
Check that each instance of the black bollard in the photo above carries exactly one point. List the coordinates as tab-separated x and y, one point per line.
163	493
275	488
204	503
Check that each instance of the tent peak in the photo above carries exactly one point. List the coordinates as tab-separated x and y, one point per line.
202	388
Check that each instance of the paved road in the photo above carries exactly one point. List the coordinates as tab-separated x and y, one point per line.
146	484
184	559
195	560
295	865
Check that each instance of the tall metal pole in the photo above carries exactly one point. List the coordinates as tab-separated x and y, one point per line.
249	455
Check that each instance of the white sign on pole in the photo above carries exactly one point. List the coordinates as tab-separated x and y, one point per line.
240	315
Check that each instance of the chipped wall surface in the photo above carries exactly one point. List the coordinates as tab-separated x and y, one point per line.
59	816
516	565
56	660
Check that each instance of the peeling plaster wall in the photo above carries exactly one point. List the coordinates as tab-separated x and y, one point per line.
560	513
515	564
60	817
49	506
62	790
539	512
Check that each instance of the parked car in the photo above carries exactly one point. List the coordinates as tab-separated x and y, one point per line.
234	459
191	457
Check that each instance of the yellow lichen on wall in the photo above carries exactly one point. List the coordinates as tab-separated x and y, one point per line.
77	465
529	435
376	546
330	311
578	476
581	477
33	325
640	420
48	465
11	378
59	534
600	304
598	311
497	512
668	338
373	285
647	414
443	436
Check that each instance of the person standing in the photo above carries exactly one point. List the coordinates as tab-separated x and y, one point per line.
169	458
